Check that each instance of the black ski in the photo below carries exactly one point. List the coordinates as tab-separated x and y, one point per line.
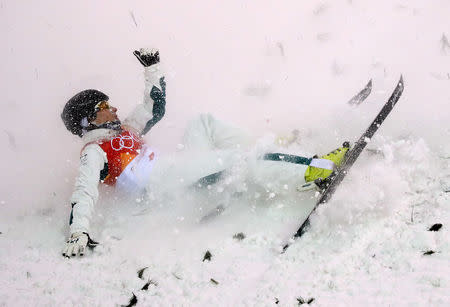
351	157
362	95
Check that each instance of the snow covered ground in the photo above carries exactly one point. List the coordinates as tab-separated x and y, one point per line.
269	67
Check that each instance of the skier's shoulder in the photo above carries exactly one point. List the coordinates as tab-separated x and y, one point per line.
92	156
91	150
91	143
98	136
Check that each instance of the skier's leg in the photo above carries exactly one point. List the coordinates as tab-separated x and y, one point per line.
279	170
276	176
211	146
207	133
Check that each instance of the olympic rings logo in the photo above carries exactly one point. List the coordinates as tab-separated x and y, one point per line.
123	142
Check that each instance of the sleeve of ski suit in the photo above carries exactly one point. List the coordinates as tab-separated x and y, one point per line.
147	114
85	195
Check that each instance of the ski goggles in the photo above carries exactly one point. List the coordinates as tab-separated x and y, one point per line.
102	105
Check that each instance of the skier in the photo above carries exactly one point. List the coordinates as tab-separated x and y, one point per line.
111	147
115	153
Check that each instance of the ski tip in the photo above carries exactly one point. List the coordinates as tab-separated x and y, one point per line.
362	95
401	83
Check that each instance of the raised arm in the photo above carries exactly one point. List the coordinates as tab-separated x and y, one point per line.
152	110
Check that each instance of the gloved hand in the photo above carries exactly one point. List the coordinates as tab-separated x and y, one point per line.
147	57
77	243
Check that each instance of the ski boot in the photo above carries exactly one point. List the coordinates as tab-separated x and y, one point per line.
323	176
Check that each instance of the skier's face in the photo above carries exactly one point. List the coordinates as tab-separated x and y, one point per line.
104	115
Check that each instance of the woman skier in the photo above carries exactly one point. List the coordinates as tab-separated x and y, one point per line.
114	152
